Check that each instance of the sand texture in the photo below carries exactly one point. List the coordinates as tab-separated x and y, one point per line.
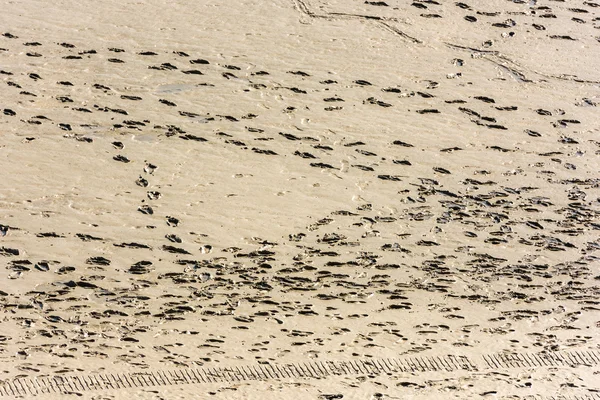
299	199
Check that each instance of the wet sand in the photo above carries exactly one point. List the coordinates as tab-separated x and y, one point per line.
201	186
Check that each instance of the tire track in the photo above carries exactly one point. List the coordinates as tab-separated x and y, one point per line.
306	370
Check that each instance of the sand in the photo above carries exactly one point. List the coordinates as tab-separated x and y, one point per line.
195	186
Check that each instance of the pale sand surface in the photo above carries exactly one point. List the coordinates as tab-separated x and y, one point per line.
337	180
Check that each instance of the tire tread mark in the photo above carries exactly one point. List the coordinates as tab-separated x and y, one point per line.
107	382
358	366
451	362
35	387
250	373
531	361
142	379
198	375
267	371
595	356
312	370
379	366
119	381
23	387
18	388
391	367
162	377
583	357
538	360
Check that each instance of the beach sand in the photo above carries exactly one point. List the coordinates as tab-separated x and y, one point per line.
208	185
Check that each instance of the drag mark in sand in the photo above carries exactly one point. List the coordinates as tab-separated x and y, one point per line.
513	68
305	370
303	7
497	58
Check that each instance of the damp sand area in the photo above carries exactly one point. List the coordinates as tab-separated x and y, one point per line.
299	199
